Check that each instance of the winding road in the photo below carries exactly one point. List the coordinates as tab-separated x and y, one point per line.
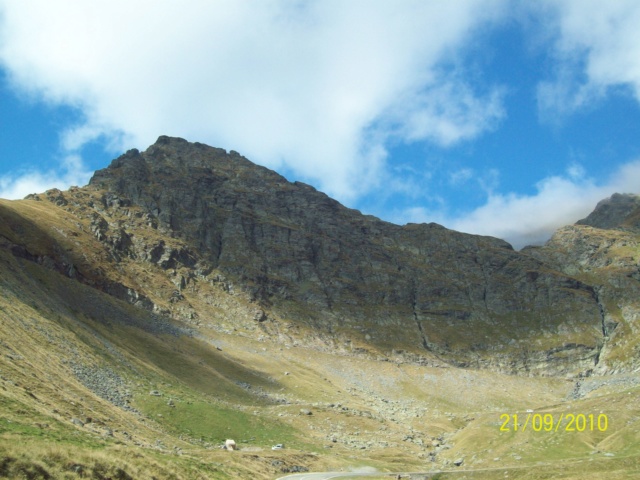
325	475
329	475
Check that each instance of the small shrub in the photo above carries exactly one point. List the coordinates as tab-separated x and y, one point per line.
5	466
76	468
31	471
100	471
122	475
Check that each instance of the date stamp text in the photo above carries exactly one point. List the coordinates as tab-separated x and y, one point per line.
548	422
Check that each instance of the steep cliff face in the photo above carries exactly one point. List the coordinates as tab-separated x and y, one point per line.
419	288
604	250
172	222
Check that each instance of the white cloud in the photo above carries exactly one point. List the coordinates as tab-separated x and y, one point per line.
460	176
447	113
532	219
597	47
318	87
71	172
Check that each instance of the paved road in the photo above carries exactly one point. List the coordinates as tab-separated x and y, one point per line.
327	475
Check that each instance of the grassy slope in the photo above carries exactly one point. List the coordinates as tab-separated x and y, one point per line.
397	412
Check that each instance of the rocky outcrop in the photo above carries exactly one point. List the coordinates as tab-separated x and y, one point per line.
620	211
197	234
602	250
295	250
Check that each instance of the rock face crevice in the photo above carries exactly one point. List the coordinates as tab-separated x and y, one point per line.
423	336
182	214
298	251
603	250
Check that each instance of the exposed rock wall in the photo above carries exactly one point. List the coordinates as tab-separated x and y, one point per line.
295	250
604	250
203	236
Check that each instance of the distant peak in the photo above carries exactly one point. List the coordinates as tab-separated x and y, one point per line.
167	140
620	210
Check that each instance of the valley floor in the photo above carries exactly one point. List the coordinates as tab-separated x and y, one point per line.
92	387
330	412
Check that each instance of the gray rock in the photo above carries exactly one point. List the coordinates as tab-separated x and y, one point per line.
616	211
77	421
104	382
288	244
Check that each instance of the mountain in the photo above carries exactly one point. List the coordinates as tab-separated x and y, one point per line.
187	295
620	212
192	214
604	250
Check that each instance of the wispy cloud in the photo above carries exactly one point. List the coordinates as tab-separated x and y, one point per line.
531	219
70	172
596	48
315	87
461	176
319	89
445	113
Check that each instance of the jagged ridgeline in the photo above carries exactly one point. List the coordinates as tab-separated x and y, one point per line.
168	222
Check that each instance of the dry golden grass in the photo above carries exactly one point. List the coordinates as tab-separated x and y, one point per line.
225	381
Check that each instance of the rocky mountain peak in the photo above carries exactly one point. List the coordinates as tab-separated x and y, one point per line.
182	159
421	288
621	210
185	214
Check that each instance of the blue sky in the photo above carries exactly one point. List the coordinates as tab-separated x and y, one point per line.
494	117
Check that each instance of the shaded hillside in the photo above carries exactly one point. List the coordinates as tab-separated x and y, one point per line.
604	250
162	224
94	387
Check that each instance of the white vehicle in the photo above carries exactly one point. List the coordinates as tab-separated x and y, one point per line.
279	446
